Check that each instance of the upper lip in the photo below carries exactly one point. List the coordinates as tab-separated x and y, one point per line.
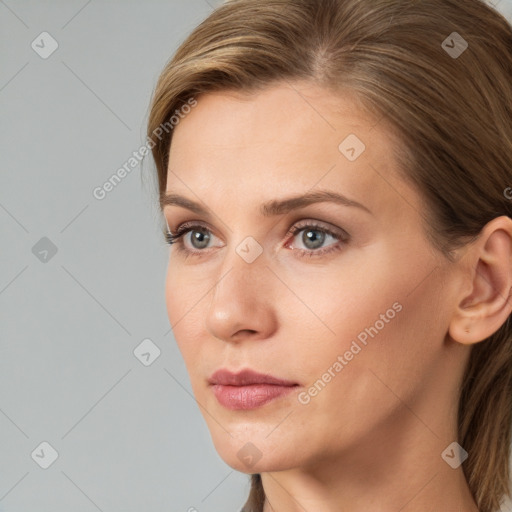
246	377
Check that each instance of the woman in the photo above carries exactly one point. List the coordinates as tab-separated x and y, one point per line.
337	193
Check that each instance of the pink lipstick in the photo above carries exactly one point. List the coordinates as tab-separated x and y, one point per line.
247	389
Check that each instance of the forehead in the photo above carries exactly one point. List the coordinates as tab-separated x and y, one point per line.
242	119
285	139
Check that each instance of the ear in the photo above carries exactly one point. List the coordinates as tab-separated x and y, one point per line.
485	302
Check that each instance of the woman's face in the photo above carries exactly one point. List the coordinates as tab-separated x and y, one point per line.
351	309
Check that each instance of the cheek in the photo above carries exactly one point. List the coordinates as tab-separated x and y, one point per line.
337	303
376	317
172	291
182	297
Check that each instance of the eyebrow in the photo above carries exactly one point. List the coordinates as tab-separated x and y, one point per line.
271	208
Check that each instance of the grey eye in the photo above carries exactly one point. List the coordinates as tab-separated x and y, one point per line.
199	239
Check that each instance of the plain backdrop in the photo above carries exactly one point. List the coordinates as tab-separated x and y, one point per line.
92	385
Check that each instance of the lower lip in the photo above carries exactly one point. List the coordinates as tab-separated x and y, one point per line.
249	397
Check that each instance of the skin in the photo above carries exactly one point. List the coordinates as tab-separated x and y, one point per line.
372	438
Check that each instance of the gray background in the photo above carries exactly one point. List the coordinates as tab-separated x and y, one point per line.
129	437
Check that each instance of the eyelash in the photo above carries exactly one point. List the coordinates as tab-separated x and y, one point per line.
185	228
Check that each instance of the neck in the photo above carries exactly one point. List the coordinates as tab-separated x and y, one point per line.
394	470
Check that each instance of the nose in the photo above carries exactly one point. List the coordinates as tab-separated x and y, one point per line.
242	302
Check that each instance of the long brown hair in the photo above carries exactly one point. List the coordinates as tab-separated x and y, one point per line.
440	73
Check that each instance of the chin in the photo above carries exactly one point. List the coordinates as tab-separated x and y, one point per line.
255	453
265	465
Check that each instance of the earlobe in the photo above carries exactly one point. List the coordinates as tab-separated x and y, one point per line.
483	310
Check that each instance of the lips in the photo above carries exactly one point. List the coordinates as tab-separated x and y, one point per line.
246	378
248	389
